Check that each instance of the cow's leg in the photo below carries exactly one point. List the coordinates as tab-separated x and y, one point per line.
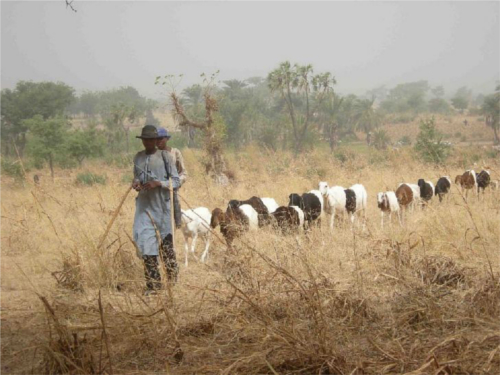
207	245
186	250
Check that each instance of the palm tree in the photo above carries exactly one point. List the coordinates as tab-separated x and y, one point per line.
299	88
366	117
233	88
329	114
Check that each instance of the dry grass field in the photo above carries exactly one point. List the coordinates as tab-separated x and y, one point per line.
419	299
452	127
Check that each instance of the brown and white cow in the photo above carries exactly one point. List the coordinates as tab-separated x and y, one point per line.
467	181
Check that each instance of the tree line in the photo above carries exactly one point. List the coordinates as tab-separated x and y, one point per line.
294	107
39	119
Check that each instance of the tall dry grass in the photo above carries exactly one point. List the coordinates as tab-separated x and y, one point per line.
420	299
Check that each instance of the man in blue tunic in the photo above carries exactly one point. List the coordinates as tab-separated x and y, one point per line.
153	171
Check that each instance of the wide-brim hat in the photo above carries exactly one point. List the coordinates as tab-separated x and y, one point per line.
163	133
148	132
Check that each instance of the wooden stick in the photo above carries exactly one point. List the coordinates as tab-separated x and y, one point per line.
115	214
172	207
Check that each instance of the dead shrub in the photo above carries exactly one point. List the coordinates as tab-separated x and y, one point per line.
417	308
349	309
65	353
484	299
70	277
68	356
440	270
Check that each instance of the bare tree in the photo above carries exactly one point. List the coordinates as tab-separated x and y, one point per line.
212	128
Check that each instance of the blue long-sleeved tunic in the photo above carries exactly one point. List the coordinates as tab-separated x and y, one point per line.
156	202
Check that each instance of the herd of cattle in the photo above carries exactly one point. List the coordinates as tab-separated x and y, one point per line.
305	211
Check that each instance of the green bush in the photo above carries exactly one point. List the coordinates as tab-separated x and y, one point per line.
344	156
12	168
457	135
381	139
89	179
429	143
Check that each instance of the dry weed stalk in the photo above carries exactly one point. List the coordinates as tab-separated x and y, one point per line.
113	218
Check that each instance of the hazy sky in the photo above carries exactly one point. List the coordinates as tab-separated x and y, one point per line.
364	44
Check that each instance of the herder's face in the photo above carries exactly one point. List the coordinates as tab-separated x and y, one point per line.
161	143
149	144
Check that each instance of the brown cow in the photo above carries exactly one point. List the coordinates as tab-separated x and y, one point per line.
232	223
405	196
404	193
467	181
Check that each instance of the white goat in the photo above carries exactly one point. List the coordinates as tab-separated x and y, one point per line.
196	222
388	202
335	200
361	198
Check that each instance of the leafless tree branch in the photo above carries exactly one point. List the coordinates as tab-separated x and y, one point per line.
70	5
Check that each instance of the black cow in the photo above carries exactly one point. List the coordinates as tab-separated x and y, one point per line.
310	204
443	187
426	189
483	180
287	219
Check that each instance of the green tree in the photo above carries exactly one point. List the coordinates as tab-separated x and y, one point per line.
461	99
82	144
379	93
491	110
329	113
47	139
406	97
151	119
28	99
439	105
234	103
429	144
88	103
438	91
302	92
124	96
118	123
366	117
